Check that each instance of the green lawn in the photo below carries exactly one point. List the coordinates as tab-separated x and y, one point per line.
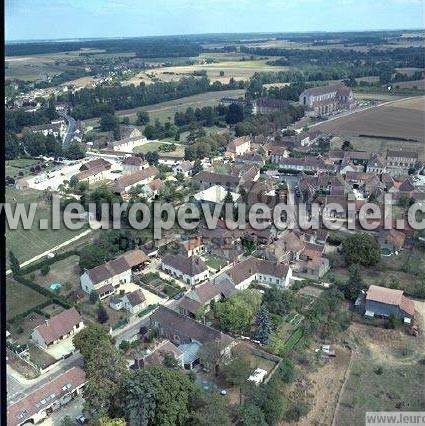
20	298
214	262
154	146
13	167
396	388
26	244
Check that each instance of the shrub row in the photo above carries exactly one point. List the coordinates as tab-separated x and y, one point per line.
53	298
47	262
21	316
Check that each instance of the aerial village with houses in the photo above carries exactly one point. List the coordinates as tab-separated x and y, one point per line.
300	319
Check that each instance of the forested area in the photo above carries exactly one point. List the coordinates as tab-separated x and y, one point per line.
89	103
152	47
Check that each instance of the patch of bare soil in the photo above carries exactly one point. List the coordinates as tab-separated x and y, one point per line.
322	388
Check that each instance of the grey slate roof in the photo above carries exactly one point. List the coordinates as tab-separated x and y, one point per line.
186	326
191	266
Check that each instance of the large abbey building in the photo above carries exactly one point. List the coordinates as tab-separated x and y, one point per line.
326	99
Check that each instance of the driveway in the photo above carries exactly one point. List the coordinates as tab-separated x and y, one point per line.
61	348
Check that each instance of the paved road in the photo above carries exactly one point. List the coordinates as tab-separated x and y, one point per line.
72	125
18	386
53	249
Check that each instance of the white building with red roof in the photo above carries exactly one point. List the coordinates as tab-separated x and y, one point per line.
46	399
57	328
383	302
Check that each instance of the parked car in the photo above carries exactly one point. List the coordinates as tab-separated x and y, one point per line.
178	296
81	420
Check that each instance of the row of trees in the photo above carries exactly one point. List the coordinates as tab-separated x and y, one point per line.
88	103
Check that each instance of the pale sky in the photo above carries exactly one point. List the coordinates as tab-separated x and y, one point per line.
61	19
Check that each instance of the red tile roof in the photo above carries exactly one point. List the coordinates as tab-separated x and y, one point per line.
391	297
31	404
59	325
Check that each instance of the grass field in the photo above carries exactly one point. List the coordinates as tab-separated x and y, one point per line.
154	146
386	374
20	298
13	167
404	269
27	243
214	262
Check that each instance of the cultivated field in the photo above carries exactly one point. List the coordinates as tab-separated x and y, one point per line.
31	68
386	124
238	70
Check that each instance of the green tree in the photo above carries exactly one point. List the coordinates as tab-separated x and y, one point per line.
197	167
14	263
90	336
93	297
75	151
235	114
51	110
286	371
12	147
234	315
106	421
158	396
152	157
142	118
269	398
251	415
279	301
91	256
263	326
108	122
67	421
106	372
102	315
45	269
228	198
170	362
209	410
346	146
361	248
125	345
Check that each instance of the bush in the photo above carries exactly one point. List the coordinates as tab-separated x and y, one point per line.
379	371
35	266
296	410
362	249
125	345
45	269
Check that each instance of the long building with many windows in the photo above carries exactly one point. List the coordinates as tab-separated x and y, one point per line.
326	99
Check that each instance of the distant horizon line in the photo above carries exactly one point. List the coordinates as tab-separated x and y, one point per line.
94	38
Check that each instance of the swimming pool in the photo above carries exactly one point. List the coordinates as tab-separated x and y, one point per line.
55	286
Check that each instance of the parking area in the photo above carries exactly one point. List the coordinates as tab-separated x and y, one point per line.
56	177
58	350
